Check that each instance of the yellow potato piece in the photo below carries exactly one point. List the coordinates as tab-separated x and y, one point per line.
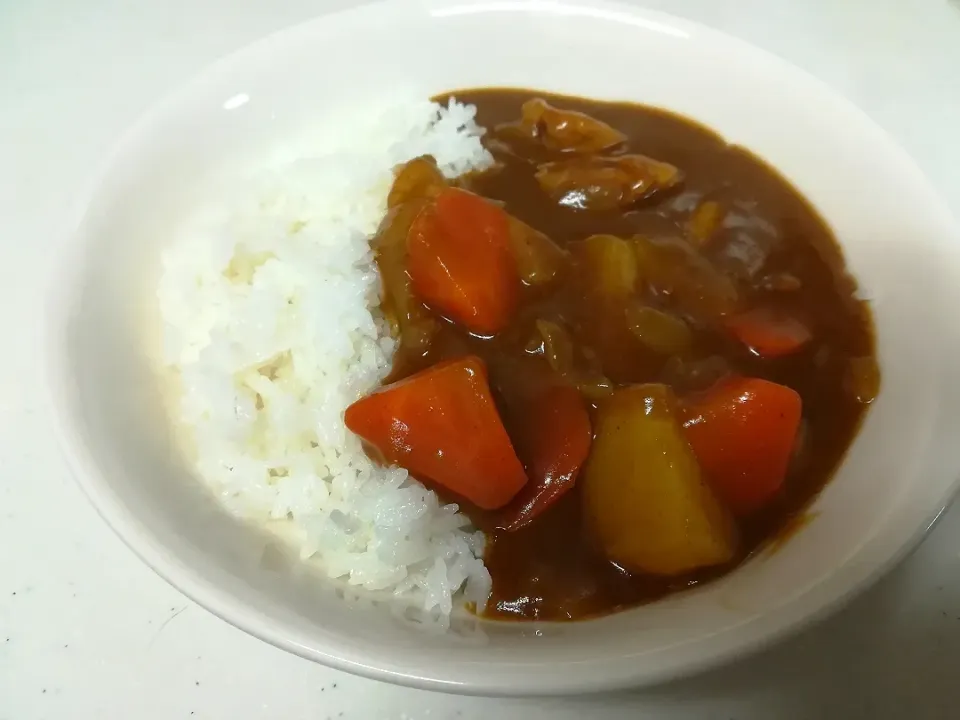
539	260
643	492
608	266
673	268
659	331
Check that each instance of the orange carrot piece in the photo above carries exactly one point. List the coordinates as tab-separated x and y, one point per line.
769	335
460	262
441	424
554	443
742	432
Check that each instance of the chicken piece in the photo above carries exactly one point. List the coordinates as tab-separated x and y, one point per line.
602	183
563	130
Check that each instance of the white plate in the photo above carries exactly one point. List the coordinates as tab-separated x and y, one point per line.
900	241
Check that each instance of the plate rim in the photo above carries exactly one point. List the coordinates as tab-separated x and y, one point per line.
237	612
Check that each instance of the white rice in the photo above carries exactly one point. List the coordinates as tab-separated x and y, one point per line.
270	322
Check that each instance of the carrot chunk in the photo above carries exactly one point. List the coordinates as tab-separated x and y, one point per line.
742	432
554	444
460	261
768	335
441	424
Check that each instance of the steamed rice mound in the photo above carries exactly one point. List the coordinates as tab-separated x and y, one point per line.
270	324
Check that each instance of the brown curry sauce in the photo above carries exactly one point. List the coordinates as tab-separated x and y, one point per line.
781	254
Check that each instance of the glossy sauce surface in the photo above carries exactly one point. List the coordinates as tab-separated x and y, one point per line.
768	241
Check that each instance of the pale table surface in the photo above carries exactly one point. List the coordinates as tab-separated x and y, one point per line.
88	632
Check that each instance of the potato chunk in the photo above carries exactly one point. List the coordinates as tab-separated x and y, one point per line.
644	496
539	260
608	267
